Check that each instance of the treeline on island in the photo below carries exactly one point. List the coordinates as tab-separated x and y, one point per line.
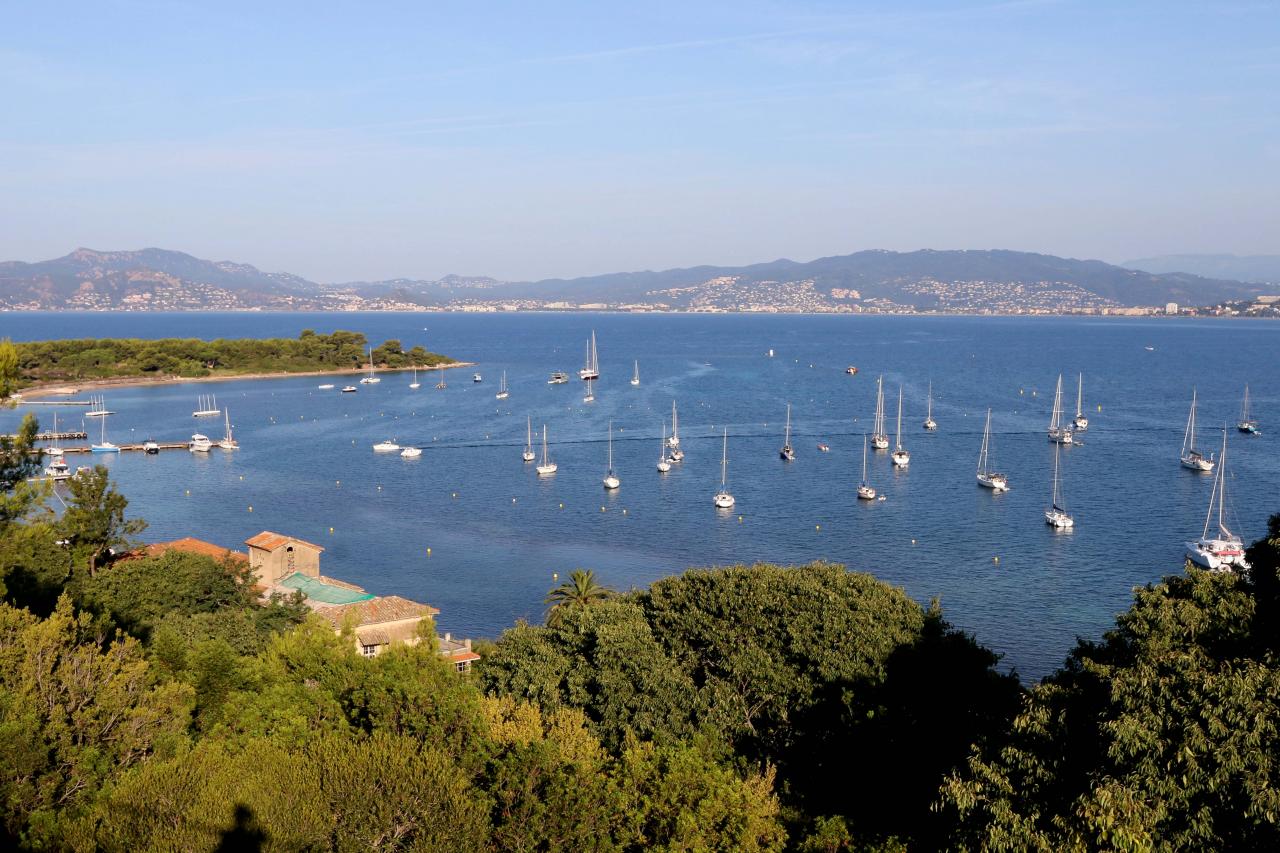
154	702
114	358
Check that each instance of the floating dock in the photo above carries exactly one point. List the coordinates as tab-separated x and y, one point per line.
131	447
54	436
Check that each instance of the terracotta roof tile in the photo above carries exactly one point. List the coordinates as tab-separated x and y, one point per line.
191	545
269	541
388	608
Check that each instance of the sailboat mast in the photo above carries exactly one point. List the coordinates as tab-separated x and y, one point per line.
928	416
787	440
724	459
864	459
986	437
898	437
1079	393
610	447
1222	485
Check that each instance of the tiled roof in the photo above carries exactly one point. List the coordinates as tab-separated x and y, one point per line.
388	608
191	545
269	541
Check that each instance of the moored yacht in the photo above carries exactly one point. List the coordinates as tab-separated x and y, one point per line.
663	465
528	455
547	466
986	477
1223	550
675	454
591	370
502	388
879	438
1081	423
370	379
228	441
1056	515
199	443
901	457
929	422
387	446
723	499
611	480
1059	432
788	453
865	492
1247	424
558	378
1192	458
635	377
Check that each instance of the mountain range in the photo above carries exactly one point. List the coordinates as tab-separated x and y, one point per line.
961	280
1253	268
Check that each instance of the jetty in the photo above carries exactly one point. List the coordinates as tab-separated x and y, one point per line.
140	447
54	436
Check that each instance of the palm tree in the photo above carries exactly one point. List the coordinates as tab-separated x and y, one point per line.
580	590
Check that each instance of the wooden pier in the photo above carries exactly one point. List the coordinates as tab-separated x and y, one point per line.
54	436
131	447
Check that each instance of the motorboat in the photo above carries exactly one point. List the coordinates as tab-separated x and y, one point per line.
476	377
558	378
349	389
411	452
387	446
328	386
58	469
150	447
851	370
824	448
199	443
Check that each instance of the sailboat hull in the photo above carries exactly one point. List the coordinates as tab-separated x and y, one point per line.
1058	519
1197	463
995	482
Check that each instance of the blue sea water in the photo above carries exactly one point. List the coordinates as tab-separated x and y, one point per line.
471	529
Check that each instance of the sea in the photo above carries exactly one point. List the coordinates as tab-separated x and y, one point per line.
471	529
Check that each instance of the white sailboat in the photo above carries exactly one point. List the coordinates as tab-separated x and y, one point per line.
502	387
1192	458
724	500
591	370
635	376
441	384
901	458
547	466
676	454
228	441
986	477
415	384
386	446
1081	422
611	480
590	396
1059	433
370	379
98	407
788	453
57	469
865	492
663	465
1246	424
1221	551
199	443
528	455
104	446
1056	515
929	422
879	439
206	407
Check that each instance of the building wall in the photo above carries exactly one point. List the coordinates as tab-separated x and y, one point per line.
271	566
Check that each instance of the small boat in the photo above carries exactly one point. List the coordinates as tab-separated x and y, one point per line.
441	384
635	376
1149	349
349	389
851	370
415	384
675	454
724	500
502	388
199	443
590	396
929	422
823	447
865	492
1056	516
104	446
1059	433
58	469
1223	550
1246	424
386	446
663	465
98	408
411	452
591	370
770	353
228	441
986	477
879	439
1192	458
528	454
558	378
547	466
370	379
476	377
206	407
328	386
1081	421
150	447
901	458
611	480
787	452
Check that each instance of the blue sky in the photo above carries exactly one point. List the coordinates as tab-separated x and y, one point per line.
524	140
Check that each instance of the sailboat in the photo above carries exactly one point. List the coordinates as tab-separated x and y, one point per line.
370	379
788	452
547	466
104	446
228	441
590	396
676	454
724	500
1081	423
611	480
1058	433
57	469
415	384
901	457
1192	458
98	407
929	422
635	376
663	465
502	388
528	455
986	477
879	439
592	368
1056	515
206	407
1224	549
1247	424
441	384
865	492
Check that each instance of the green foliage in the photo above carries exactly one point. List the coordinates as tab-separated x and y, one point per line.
580	590
94	522
98	358
18	462
9	370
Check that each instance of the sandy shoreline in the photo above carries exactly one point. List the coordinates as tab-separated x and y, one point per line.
63	388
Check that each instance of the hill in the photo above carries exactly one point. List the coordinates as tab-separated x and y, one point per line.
1252	268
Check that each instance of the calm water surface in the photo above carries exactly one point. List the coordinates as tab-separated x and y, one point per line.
496	532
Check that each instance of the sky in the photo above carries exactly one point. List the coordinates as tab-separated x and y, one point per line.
359	141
